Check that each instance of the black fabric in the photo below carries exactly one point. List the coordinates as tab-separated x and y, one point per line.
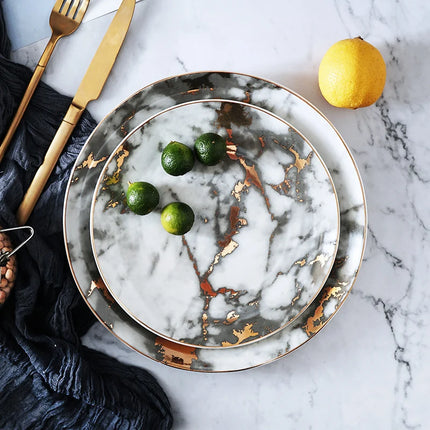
48	379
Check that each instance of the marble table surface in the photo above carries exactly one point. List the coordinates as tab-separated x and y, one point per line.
369	367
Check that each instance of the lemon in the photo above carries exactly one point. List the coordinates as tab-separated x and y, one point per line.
142	197
352	74
177	159
210	148
177	218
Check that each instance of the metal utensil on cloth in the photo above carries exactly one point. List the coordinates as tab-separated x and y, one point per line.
90	88
8	265
65	18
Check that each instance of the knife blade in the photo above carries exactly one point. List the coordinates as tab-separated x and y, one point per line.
90	89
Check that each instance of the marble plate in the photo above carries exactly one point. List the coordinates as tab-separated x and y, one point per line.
264	238
258	92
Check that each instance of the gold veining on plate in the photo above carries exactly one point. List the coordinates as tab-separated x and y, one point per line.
339	262
315	321
297	296
300	163
123	128
115	197
237	190
227	246
120	157
112	203
193	91
90	162
251	176
242	335
100	285
262	141
231	317
205	324
322	259
174	358
233	113
181	356
108	324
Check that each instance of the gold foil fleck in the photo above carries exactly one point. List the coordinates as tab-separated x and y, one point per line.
283	187
231	150
321	259
121	155
315	321
339	262
262	141
100	285
301	263
229	114
228	249
90	162
237	190
181	356
193	91
123	127
242	335
231	317
111	204
92	288
205	325
300	163
297	297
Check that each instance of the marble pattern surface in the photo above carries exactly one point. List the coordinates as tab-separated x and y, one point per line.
369	367
264	238
198	86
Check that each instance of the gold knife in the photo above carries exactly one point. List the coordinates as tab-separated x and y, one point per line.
89	89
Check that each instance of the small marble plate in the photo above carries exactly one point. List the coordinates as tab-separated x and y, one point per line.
264	238
173	91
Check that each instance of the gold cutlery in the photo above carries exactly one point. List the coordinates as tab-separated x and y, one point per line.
65	18
89	89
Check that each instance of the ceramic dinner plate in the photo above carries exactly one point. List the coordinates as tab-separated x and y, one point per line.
258	92
264	238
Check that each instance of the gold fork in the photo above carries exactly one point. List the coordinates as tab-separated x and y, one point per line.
65	18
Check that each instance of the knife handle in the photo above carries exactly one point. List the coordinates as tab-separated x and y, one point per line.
34	81
44	171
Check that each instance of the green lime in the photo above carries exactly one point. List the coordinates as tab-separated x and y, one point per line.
177	218
210	148
142	197
177	159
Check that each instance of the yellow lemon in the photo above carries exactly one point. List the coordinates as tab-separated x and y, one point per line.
352	74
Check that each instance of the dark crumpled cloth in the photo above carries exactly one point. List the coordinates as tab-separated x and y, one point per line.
48	379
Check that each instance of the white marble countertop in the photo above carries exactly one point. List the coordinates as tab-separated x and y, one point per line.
368	369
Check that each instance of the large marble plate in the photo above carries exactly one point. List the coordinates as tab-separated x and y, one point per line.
264	238
258	92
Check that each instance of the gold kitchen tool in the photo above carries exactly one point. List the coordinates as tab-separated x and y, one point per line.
65	18
89	89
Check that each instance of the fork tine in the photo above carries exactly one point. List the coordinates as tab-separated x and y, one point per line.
81	11
57	5
72	10
65	7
